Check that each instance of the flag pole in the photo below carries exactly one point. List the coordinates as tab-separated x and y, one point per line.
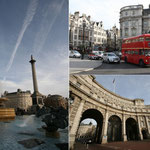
114	82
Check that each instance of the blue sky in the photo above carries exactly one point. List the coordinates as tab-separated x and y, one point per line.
39	28
129	86
107	11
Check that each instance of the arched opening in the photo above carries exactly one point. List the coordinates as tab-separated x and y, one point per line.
131	129
144	133
92	128
114	129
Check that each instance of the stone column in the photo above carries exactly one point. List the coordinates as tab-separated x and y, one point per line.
35	86
139	127
74	128
147	124
105	126
124	136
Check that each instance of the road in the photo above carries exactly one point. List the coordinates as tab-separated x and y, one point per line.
113	68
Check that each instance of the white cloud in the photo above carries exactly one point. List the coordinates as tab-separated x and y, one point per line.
103	10
28	18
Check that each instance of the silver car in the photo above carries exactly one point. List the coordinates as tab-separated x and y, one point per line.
74	54
111	58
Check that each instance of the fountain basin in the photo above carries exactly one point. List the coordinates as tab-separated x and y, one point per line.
6	114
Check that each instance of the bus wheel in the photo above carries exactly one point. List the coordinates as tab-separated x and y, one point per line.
125	60
141	63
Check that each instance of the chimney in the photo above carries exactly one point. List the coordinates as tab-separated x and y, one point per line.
89	18
76	14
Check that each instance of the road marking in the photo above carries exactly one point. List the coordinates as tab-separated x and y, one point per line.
75	72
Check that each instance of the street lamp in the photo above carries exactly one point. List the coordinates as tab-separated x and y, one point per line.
84	25
71	36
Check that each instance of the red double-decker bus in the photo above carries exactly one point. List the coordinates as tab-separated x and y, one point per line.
136	50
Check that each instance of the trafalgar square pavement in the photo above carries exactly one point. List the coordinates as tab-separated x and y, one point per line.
78	65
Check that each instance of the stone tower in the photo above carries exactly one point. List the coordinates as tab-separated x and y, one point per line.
37	97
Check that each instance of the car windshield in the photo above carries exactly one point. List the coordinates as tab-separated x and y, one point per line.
111	55
76	52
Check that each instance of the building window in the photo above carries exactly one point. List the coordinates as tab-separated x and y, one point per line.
75	37
75	43
133	23
75	31
133	31
133	12
126	24
145	23
90	33
126	13
142	123
126	31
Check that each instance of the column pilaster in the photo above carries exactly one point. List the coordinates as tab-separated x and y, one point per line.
139	127
74	128
105	125
124	136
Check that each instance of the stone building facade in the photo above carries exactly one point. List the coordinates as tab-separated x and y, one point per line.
84	31
19	99
86	131
113	38
134	20
118	118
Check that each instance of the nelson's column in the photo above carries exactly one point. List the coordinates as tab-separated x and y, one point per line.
37	97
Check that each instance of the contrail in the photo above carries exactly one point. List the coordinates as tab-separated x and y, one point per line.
28	18
46	27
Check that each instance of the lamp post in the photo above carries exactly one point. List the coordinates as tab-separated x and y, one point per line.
70	36
83	50
115	41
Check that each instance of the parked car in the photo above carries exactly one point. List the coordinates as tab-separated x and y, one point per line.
74	54
93	56
99	54
111	58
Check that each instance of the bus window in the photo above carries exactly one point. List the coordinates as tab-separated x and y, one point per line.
147	38
147	52
141	39
141	52
136	52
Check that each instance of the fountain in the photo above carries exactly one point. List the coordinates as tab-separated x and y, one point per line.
6	114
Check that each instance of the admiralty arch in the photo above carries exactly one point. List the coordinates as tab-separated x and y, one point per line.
118	118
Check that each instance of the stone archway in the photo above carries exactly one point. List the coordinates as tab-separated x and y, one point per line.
131	129
98	117
114	131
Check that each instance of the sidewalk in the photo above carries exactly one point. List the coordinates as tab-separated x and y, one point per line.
77	65
130	145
